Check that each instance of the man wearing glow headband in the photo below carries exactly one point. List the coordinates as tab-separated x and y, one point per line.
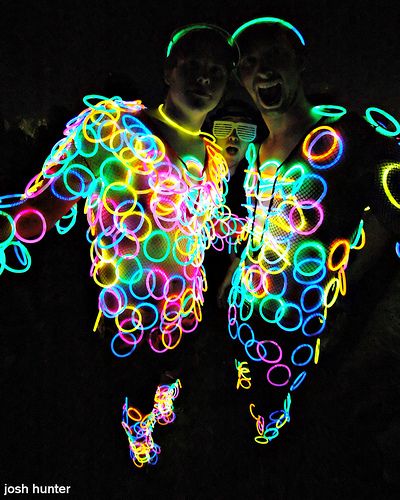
155	189
307	186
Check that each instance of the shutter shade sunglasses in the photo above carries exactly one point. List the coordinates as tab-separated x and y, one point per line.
245	131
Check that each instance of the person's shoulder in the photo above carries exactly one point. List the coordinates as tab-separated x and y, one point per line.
100	127
340	117
100	111
371	137
378	131
347	120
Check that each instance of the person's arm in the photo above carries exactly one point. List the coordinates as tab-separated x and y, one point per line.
376	241
383	179
48	197
37	215
65	177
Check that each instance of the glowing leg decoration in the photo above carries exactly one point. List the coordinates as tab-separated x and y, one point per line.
142	447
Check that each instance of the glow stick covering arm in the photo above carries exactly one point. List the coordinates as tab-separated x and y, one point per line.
30	223
49	195
46	198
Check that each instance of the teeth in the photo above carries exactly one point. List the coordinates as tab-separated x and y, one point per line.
270	95
267	85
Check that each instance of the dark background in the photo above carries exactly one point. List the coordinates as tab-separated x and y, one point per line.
55	52
62	390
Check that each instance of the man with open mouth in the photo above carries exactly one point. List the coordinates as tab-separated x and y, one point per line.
307	187
270	70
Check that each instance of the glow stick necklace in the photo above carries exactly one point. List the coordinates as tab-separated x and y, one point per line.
174	124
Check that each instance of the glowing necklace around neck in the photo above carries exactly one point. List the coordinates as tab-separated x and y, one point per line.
174	124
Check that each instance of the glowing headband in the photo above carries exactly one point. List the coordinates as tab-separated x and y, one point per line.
266	20
182	32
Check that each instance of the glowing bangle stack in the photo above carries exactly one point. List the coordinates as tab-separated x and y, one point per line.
276	420
142	448
244	380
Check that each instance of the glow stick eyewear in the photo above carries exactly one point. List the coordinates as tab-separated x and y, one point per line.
245	131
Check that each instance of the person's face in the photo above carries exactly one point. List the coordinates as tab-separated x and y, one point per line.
198	81
270	72
233	148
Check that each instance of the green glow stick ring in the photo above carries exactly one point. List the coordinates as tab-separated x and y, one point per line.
266	20
184	30
378	127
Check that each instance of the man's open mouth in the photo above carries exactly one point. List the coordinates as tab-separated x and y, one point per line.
232	150
270	95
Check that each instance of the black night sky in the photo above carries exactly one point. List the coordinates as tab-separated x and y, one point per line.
62	390
55	52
